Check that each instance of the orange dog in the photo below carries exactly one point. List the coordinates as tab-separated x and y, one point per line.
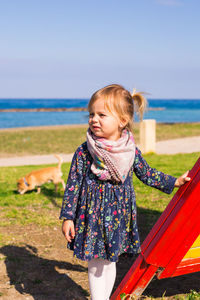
37	178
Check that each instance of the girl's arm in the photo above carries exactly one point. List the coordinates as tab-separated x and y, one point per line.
73	186
153	177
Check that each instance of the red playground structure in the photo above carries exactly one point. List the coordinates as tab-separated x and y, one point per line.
172	247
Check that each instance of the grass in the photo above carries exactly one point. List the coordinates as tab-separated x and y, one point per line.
151	202
30	208
41	141
169	164
66	139
191	296
40	209
177	130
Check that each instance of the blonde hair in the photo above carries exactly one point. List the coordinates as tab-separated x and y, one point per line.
121	102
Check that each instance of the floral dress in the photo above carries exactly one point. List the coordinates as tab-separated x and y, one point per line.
104	212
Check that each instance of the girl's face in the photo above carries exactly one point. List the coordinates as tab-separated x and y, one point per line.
102	123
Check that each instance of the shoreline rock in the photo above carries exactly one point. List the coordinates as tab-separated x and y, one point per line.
46	109
43	109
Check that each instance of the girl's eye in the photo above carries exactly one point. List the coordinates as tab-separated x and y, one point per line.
91	115
102	115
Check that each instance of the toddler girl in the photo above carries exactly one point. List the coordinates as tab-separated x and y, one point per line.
99	209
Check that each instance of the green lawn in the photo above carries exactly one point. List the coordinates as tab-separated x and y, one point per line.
40	208
67	139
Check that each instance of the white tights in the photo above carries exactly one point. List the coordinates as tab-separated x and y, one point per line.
101	275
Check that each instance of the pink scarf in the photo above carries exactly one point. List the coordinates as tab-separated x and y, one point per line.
112	160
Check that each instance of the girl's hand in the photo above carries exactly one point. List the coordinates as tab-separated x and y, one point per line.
182	179
68	230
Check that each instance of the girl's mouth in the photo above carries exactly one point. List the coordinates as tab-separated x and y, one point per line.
95	127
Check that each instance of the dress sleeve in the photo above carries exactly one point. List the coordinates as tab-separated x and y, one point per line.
152	177
73	186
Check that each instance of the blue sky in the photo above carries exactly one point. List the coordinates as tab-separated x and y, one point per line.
69	49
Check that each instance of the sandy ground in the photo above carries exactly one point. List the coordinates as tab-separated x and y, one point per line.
182	145
33	160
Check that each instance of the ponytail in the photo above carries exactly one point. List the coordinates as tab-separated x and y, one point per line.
140	102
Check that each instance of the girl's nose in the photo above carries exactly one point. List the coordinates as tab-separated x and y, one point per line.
94	119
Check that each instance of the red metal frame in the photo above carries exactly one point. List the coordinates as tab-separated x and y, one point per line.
187	266
168	242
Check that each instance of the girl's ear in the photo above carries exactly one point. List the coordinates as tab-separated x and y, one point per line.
123	123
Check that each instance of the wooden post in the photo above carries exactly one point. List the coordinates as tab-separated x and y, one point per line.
148	136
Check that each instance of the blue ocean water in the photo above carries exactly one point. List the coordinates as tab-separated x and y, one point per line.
163	111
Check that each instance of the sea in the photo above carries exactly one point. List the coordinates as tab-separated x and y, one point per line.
162	110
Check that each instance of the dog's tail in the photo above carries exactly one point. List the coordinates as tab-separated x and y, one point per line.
60	160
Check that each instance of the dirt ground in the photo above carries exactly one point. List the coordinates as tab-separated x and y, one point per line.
35	264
